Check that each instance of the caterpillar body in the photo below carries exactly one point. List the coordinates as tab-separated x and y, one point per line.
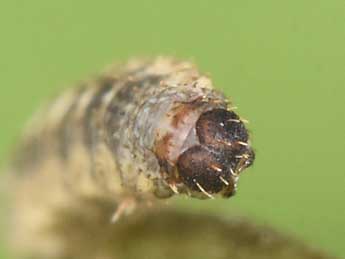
145	130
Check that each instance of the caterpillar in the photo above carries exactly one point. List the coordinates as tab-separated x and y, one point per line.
142	131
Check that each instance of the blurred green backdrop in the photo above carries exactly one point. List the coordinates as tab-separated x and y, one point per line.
282	62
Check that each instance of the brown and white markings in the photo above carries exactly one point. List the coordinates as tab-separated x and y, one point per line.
151	128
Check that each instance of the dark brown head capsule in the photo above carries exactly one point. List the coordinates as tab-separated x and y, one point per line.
221	128
213	165
203	167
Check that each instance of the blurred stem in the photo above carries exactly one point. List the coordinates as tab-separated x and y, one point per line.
160	233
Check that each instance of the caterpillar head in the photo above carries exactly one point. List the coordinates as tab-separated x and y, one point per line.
214	165
204	150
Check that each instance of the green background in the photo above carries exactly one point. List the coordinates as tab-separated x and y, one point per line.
281	62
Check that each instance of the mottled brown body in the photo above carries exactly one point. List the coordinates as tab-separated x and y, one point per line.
144	130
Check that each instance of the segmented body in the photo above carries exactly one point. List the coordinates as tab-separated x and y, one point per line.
130	132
